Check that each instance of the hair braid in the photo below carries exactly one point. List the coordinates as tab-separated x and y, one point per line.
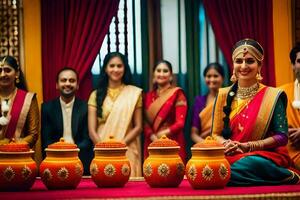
226	132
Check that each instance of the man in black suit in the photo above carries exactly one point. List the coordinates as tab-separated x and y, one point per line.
66	116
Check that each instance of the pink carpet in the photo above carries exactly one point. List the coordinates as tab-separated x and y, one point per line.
140	189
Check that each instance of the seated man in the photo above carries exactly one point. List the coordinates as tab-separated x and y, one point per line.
66	116
293	108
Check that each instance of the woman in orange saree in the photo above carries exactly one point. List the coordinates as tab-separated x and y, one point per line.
165	109
250	120
203	105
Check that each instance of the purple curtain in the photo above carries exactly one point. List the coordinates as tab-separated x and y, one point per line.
233	20
72	34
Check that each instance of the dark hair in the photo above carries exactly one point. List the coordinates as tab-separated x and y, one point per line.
249	42
11	61
103	79
66	69
226	132
293	53
217	66
169	65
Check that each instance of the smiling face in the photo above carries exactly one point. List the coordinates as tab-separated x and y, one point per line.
115	70
8	76
246	68
162	74
67	83
213	79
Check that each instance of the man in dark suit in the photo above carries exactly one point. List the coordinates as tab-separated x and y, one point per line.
66	116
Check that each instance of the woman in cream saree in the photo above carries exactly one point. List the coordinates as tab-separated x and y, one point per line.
115	109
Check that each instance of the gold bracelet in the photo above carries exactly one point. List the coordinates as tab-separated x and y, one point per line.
250	146
256	145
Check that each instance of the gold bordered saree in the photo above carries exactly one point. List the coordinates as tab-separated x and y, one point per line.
251	123
119	122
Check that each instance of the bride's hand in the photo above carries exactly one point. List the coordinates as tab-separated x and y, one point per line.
235	147
230	147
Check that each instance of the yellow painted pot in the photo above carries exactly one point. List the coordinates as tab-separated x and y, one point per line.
17	169
208	168
163	167
110	166
62	168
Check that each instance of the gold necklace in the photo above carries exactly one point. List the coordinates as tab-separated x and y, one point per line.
247	92
113	93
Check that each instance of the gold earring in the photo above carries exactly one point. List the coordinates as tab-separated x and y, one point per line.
17	79
233	78
259	77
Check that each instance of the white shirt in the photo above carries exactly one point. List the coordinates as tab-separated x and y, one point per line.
67	119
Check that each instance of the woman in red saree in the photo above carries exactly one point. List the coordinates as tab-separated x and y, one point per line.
250	120
19	108
165	109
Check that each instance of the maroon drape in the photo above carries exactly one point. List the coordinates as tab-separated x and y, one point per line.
233	20
72	34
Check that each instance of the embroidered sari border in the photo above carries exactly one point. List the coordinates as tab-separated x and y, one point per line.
18	110
217	117
23	114
155	107
265	113
121	114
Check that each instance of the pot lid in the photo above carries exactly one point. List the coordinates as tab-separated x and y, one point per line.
209	142
62	145
164	141
111	143
13	146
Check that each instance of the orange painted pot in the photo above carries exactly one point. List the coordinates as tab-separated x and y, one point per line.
163	167
110	166
62	168
17	169
208	168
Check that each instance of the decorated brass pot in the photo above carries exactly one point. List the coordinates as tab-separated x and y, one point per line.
110	166
61	169
163	167
17	169
208	167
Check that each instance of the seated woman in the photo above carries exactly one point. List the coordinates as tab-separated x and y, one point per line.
165	108
203	105
19	108
250	120
115	108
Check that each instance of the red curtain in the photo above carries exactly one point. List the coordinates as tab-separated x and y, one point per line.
233	20
72	34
